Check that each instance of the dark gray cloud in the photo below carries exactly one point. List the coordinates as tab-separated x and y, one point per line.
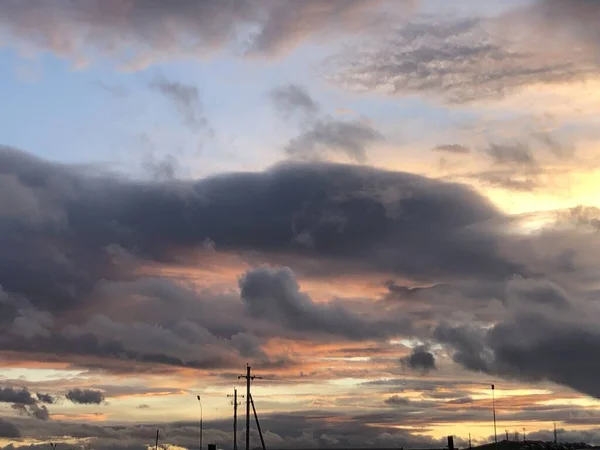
306	428
137	33
161	169
396	400
303	429
452	148
293	98
85	396
274	294
22	396
8	430
352	214
45	398
24	403
511	153
547	334
460	60
351	138
420	359
574	21
186	100
87	232
34	410
322	134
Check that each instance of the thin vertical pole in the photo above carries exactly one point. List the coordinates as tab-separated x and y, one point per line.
235	409
247	406
262	441
555	436
248	378
494	412
156	444
201	414
235	405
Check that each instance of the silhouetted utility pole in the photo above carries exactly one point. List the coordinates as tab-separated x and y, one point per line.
248	378
555	436
494	411
235	407
262	441
524	435
156	445
506	431
469	440
201	414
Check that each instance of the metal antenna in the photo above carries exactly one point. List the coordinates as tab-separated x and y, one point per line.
235	407
248	377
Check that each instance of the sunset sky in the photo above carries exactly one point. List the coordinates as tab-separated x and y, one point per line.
383	206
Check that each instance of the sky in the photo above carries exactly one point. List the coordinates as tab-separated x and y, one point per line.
383	206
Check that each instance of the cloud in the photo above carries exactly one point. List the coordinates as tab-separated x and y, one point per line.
8	430
24	403
319	219
143	406
34	410
85	396
293	98
573	21
10	395
302	429
520	179
517	153
45	398
348	214
186	100
396	400
274	294
420	359
349	137
322	134
463	60
547	334
452	148
136	33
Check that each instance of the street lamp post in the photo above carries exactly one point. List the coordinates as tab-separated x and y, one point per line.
200	403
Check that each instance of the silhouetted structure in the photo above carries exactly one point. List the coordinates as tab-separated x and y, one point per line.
235	407
249	401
